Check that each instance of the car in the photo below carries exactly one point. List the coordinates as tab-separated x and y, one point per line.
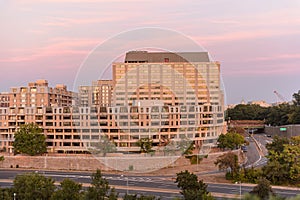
269	135
244	148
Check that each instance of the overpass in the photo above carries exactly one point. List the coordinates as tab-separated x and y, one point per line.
247	124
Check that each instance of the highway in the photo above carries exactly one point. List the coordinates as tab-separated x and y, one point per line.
162	186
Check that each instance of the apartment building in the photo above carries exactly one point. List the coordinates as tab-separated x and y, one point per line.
158	95
39	94
98	94
4	99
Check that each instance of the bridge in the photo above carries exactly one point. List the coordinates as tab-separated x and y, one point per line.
247	124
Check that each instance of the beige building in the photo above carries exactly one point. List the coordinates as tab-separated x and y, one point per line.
162	96
4	99
168	96
39	94
99	94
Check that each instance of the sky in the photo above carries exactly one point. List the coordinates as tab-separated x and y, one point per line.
256	42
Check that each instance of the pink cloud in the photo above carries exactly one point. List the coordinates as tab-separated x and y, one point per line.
63	21
278	57
242	35
58	47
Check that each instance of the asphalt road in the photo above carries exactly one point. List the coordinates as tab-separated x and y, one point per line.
151	185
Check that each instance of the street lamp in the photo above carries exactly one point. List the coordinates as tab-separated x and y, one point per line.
15	196
240	182
126	183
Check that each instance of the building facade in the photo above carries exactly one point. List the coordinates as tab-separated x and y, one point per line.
99	94
4	99
161	96
39	94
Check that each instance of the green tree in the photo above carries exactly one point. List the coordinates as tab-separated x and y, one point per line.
30	140
250	175
190	187
2	159
230	141
295	197
69	189
283	165
33	186
145	144
294	117
277	145
279	115
139	197
246	112
6	194
249	196
100	188
263	189
228	161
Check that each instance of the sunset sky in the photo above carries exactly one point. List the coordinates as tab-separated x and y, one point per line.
256	42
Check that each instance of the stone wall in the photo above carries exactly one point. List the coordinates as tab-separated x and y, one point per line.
53	162
138	163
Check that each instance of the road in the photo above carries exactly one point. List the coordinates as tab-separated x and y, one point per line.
162	186
256	155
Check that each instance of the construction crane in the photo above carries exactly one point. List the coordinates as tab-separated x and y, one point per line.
280	98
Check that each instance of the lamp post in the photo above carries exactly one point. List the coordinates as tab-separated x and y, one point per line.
240	182
126	183
15	196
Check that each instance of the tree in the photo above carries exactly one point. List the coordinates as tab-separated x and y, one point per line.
30	140
283	165
33	186
2	159
263	189
69	189
145	144
279	115
296	98
228	161
294	117
6	193
100	188
277	144
141	197
190	187
104	146
230	140
247	112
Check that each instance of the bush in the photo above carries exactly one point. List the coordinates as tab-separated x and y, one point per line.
193	159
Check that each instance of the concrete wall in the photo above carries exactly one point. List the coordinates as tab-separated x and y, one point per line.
291	130
52	162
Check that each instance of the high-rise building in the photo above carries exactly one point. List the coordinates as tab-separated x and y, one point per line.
165	95
99	94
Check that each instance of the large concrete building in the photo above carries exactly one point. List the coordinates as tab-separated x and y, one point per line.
162	96
165	95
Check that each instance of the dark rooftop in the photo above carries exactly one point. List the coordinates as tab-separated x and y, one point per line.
159	57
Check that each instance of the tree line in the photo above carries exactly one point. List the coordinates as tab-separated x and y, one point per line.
36	186
277	115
